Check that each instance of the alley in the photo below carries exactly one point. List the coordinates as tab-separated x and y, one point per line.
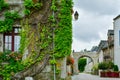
83	76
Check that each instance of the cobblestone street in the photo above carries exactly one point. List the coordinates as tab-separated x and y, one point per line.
83	76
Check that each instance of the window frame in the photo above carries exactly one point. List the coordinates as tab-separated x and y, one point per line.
12	34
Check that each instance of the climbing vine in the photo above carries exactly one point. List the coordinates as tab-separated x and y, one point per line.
63	33
10	63
38	43
9	18
30	4
3	5
38	38
7	23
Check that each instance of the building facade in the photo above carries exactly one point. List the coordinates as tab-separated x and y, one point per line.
117	40
106	48
11	40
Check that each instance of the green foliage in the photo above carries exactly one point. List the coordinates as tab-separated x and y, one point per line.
5	55
3	5
102	66
39	40
115	68
110	65
27	11
37	5
11	15
81	64
53	7
24	41
52	62
95	69
8	22
12	66
29	4
63	30
106	65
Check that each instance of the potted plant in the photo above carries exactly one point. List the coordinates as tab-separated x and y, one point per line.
102	66
116	69
110	68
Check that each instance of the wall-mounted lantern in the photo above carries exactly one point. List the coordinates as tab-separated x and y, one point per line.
76	15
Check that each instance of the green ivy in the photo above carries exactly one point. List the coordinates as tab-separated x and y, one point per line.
13	60
40	41
63	33
29	4
3	5
7	23
53	7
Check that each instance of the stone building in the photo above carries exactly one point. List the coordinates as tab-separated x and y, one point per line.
116	25
101	52
106	48
11	40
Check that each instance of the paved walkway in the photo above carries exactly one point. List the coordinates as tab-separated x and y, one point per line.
83	76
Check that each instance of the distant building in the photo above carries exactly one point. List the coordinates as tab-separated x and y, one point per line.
94	49
106	48
102	44
116	24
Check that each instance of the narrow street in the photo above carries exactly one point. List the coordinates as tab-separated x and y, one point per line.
83	76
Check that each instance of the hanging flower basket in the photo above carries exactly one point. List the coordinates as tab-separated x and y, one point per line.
35	1
70	60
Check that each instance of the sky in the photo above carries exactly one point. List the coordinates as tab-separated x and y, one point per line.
95	18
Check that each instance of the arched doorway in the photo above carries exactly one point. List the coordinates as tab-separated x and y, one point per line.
85	64
77	55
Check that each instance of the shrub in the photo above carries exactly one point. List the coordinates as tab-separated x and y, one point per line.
110	65
106	65
103	66
95	69
115	68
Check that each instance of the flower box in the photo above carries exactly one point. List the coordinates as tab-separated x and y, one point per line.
110	74
102	74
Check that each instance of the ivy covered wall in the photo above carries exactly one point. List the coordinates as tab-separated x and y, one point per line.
46	30
63	32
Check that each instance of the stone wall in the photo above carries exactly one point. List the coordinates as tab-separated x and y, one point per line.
48	73
1	42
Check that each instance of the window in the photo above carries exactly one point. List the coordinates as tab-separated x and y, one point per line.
12	39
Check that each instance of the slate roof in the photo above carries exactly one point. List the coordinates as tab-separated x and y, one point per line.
102	44
117	17
110	32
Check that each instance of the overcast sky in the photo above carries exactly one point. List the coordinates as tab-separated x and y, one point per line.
95	18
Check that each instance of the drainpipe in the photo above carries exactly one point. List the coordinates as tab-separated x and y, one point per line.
53	51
